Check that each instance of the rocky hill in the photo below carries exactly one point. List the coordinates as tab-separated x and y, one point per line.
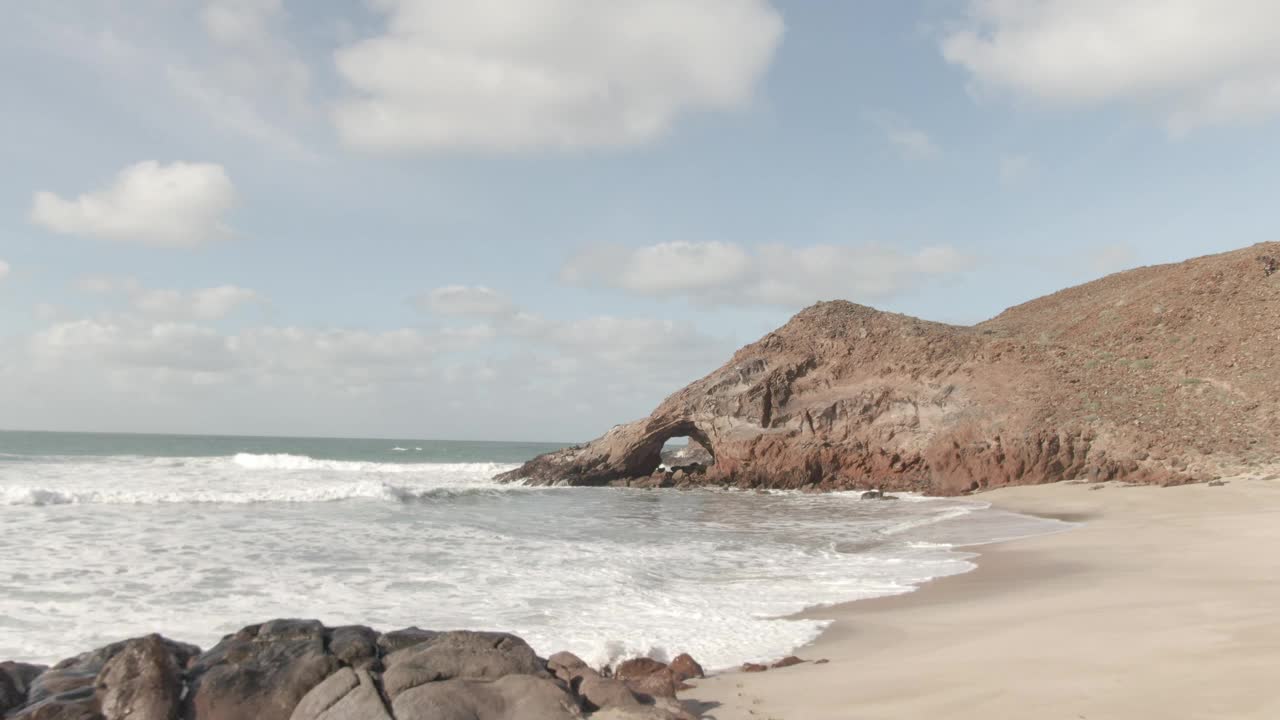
1165	374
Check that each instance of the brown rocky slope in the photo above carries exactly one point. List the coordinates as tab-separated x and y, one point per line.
1164	374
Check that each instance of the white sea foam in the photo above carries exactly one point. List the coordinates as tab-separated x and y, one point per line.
241	479
97	549
284	461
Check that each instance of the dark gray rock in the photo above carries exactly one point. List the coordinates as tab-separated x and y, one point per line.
513	697
15	681
460	655
60	708
354	645
400	639
261	672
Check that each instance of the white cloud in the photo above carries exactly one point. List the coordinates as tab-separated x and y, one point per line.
105	284
255	82
211	303
676	267
911	141
230	65
168	345
175	205
508	376
466	300
764	275
1014	169
205	304
234	108
239	22
1197	62
502	76
260	354
4	269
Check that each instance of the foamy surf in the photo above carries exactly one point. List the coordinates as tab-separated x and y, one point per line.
285	461
244	478
108	546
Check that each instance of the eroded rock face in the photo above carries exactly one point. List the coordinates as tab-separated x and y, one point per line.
1161	375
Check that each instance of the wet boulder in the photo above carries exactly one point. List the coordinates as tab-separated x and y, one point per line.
595	692
647	677
460	655
512	697
354	645
15	682
144	681
566	666
133	677
686	668
345	695
260	672
390	642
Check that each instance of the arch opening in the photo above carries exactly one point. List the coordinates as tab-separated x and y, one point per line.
684	451
681	447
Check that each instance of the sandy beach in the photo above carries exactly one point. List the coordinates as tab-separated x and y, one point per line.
1161	604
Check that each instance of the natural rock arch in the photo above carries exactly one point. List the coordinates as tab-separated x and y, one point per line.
649	453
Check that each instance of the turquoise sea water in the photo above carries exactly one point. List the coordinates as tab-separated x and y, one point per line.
105	537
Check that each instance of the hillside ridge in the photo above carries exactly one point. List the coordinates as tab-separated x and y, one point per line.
1163	374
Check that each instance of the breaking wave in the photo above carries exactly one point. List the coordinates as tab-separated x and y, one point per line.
240	479
285	461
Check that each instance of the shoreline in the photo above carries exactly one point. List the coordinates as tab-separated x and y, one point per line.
1131	614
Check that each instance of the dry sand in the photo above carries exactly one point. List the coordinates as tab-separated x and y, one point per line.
1164	604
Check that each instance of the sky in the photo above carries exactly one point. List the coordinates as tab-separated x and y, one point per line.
534	219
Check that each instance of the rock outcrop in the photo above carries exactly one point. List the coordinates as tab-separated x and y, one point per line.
302	670
1167	374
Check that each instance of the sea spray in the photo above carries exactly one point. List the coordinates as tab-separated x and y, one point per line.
101	547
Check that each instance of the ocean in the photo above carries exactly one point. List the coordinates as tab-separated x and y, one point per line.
106	536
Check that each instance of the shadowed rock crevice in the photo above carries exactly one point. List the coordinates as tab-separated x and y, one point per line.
1166	374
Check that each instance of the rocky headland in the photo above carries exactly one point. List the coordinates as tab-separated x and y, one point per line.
1162	375
302	670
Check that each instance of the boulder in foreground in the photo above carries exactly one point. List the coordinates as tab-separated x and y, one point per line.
303	670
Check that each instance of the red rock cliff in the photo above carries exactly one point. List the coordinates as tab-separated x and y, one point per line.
1163	374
